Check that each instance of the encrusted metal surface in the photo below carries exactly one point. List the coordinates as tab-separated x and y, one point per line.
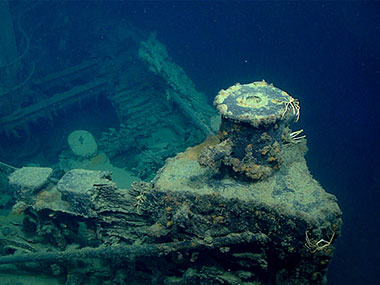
253	103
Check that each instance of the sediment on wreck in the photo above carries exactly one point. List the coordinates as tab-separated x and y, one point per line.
201	220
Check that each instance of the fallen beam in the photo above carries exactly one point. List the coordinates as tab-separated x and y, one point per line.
51	105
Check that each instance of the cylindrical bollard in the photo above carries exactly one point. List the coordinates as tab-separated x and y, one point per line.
254	117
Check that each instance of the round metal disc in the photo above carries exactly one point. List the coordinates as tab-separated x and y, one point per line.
255	103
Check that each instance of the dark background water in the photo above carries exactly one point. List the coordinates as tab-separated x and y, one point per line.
326	54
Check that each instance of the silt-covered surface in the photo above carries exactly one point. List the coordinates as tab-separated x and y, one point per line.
291	190
255	103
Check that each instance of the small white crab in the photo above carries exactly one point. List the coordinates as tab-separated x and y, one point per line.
294	105
315	246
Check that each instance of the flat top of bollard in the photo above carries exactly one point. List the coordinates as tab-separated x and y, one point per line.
256	103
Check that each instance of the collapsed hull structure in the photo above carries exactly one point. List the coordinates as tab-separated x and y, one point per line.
239	208
202	219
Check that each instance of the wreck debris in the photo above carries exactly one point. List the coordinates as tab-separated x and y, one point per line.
82	143
6	168
26	181
191	224
129	252
189	221
76	184
182	90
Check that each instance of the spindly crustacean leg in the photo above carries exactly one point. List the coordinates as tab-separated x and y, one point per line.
294	105
315	246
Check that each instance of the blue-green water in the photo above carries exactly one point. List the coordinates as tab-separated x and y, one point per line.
326	54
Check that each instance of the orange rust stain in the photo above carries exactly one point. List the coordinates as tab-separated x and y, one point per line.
99	159
271	159
192	153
